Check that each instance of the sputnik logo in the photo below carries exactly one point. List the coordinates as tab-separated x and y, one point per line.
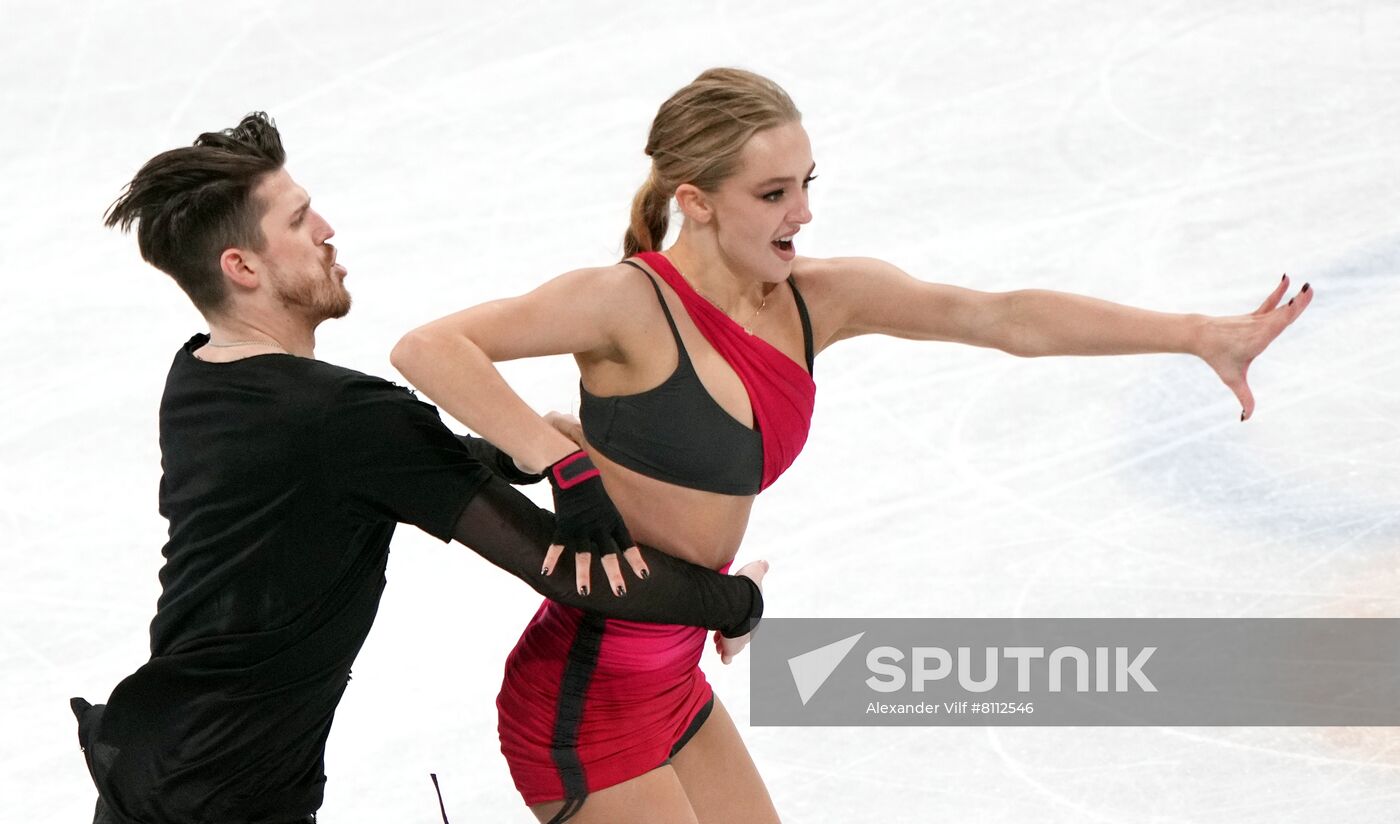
811	669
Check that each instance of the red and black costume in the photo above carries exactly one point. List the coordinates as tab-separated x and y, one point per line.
589	702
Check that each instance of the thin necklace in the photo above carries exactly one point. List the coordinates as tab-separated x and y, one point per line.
747	327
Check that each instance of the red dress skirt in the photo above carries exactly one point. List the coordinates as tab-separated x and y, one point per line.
589	702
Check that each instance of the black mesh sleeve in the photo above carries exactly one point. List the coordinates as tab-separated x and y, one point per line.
507	529
500	464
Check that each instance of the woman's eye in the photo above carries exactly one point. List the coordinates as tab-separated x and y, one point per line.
774	197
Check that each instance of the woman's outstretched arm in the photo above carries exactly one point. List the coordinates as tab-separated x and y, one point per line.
873	297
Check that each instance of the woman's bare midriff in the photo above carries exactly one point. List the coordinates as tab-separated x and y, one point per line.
703	528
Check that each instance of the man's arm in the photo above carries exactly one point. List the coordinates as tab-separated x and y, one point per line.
507	529
391	457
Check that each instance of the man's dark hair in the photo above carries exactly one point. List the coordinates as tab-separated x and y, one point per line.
192	203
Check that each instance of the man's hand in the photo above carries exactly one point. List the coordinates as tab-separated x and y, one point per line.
730	647
586	521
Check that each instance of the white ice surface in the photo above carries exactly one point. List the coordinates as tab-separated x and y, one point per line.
1178	155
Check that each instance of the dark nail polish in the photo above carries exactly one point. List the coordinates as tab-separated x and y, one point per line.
1285	277
1290	301
646	573
621	590
583	590
544	571
1241	414
1306	287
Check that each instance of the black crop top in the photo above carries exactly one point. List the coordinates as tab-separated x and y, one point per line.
675	432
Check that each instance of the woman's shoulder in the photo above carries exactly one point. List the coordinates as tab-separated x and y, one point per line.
842	293
616	298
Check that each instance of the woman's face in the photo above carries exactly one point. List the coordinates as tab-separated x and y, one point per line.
758	210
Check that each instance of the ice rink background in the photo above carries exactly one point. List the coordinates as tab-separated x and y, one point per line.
1177	155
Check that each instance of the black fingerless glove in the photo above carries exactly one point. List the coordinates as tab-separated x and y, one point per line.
585	518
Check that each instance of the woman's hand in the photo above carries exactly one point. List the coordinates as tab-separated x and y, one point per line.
567	425
1231	344
730	647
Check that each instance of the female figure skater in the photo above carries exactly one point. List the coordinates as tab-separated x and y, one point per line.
696	394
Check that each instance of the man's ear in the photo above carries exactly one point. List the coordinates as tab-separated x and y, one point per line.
694	203
237	267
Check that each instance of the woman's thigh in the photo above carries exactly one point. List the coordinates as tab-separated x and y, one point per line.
719	776
656	796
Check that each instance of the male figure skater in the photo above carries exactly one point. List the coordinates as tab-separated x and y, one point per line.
284	478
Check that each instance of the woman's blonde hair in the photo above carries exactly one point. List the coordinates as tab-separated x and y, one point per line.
696	138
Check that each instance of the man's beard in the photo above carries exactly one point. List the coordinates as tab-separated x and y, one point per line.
317	300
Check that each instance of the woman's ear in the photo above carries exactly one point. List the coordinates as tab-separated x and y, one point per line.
694	203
